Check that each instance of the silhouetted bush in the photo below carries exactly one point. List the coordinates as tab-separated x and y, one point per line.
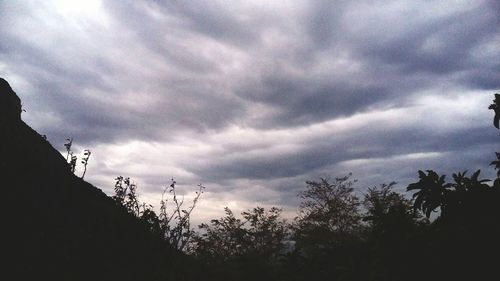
244	249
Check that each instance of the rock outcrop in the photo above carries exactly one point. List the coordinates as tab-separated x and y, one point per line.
10	104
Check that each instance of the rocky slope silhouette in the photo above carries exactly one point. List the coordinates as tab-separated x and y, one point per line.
57	226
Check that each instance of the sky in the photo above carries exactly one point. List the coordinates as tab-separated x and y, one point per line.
253	98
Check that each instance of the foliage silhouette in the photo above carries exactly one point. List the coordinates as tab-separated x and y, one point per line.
175	228
267	231
177	225
251	248
85	161
496	163
70	158
327	230
67	145
125	194
328	208
222	239
386	208
260	235
496	108
392	222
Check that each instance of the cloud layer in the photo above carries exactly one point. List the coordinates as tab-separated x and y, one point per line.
253	98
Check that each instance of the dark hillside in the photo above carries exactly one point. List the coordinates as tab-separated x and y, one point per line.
57	226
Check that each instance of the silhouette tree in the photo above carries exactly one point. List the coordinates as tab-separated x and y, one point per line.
392	222
223	239
327	230
328	207
387	209
244	249
267	231
433	192
259	235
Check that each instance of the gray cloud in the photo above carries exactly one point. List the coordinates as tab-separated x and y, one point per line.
254	98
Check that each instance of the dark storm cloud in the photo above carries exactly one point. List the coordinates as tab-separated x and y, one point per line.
301	101
358	144
456	43
439	46
322	22
257	93
215	20
487	79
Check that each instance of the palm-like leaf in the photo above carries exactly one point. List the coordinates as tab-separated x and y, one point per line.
431	188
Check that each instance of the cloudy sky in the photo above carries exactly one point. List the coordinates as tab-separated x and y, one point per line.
253	98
